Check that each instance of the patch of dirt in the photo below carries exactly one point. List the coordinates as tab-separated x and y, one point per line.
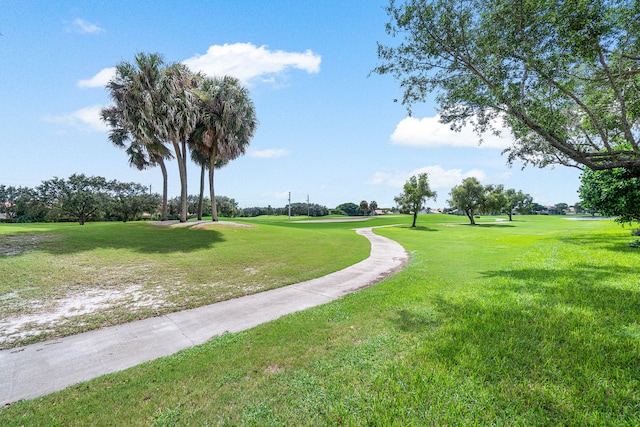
209	225
16	244
46	317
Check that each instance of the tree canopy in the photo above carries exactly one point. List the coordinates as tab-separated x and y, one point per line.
562	75
614	192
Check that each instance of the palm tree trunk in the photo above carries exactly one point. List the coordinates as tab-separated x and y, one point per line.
202	168
163	168
214	205
182	169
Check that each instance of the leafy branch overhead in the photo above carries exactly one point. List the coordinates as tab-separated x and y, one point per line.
563	76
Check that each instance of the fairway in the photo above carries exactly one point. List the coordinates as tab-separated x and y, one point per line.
64	279
530	322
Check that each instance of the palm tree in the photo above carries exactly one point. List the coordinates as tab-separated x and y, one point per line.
134	90
373	205
174	116
226	124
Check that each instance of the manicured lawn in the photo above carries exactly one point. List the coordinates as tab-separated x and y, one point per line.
60	279
535	322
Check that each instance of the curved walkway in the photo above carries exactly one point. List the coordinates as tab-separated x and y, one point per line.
34	370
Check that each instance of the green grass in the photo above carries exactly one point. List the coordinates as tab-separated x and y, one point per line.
535	322
138	270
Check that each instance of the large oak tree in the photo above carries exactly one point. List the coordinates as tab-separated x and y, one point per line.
562	75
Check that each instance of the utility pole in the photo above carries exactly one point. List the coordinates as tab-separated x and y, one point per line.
289	204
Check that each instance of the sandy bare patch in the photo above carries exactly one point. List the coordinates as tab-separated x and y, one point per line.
210	225
49	316
16	244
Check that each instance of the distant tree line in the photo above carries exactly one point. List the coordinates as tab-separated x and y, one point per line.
471	198
78	198
81	198
297	209
92	198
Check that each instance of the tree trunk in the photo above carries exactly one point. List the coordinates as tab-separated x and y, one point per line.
415	217
510	215
214	205
180	152
163	168
202	168
470	216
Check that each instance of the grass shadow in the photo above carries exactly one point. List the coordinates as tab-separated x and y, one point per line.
137	237
582	285
415	320
611	242
547	337
419	228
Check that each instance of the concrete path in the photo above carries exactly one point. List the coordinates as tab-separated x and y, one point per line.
38	369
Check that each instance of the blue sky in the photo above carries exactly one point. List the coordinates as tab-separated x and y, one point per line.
328	130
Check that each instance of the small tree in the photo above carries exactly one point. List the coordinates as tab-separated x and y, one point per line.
495	200
226	206
469	197
561	208
350	209
8	196
415	194
130	200
79	197
518	201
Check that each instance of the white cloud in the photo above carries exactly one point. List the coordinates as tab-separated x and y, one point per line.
86	119
429	132
100	79
439	178
246	61
269	153
85	27
241	60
